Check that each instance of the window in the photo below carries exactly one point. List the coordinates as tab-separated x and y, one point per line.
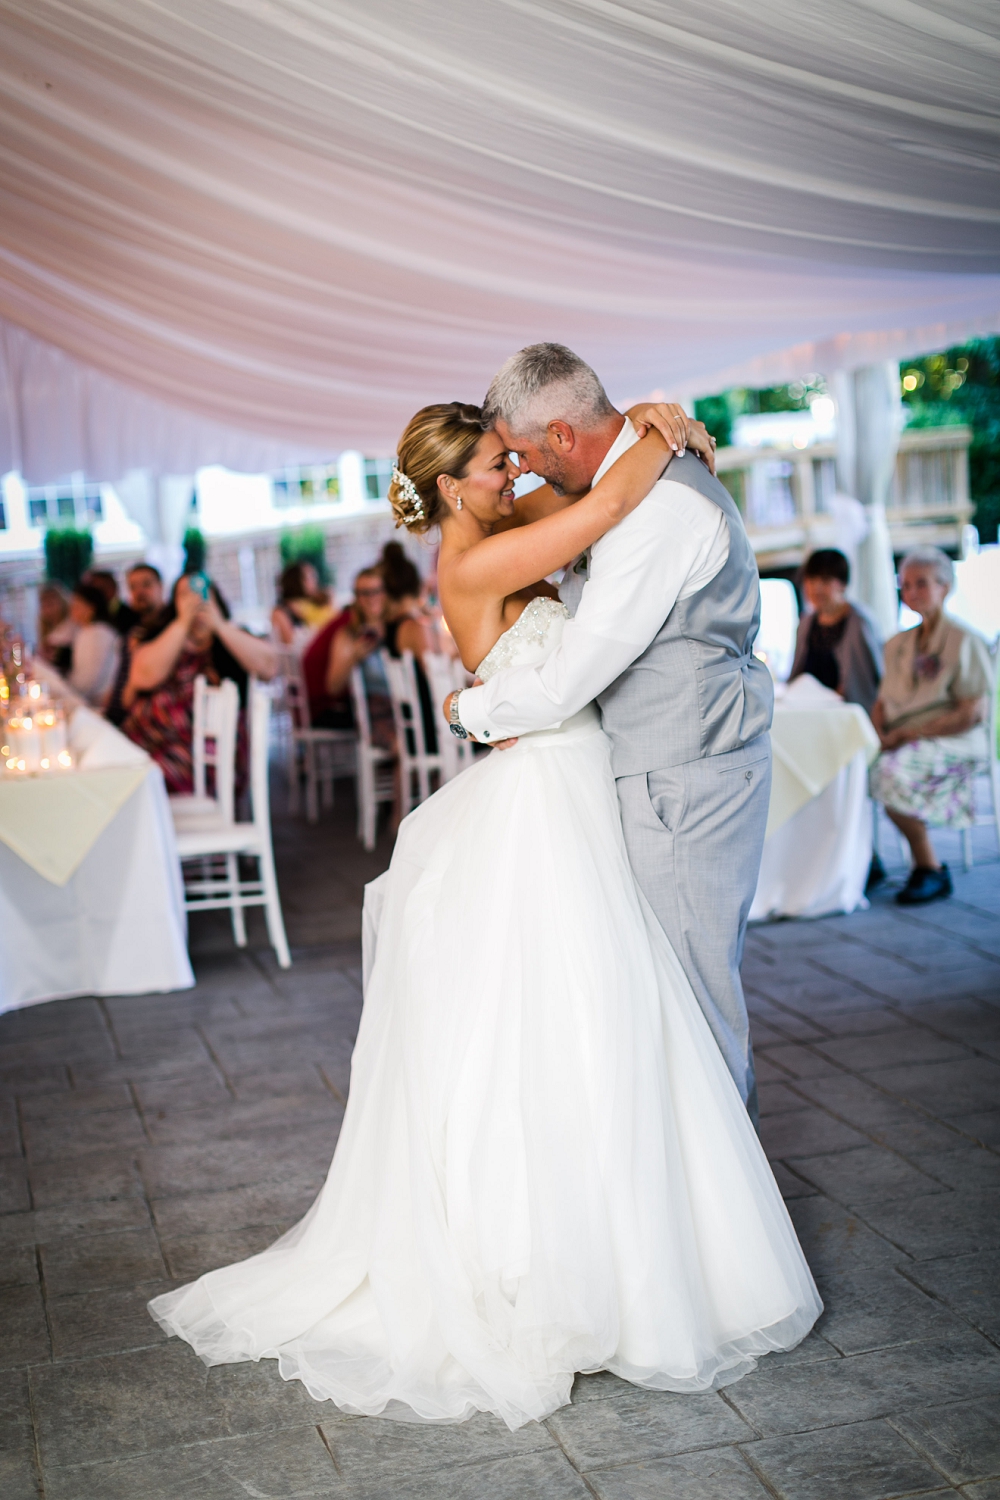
38	511
378	474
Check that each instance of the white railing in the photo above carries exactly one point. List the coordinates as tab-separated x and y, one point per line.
784	494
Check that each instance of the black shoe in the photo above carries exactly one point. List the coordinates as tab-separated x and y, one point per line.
925	885
876	874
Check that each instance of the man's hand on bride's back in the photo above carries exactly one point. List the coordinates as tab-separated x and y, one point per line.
678	430
500	744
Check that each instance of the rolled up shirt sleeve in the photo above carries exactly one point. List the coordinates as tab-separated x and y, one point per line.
637	572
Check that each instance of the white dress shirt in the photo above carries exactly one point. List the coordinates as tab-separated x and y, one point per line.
668	548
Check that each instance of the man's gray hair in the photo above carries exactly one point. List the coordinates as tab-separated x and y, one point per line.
545	383
930	557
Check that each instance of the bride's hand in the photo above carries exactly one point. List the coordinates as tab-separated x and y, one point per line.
678	430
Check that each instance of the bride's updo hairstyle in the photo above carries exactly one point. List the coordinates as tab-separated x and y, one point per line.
438	440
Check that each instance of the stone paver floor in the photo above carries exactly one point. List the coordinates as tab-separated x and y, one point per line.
146	1140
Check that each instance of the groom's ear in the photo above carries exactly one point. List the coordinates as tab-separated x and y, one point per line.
561	437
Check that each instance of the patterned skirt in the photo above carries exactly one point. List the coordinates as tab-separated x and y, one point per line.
934	780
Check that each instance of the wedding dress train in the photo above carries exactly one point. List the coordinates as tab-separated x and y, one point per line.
545	1166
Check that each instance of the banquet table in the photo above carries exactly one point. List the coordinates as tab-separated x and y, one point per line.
91	900
818	845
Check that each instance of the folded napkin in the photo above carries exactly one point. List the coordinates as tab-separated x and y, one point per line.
52	822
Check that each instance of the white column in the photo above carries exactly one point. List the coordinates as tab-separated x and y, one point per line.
869	421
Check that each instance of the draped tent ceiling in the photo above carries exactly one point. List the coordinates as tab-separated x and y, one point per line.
286	224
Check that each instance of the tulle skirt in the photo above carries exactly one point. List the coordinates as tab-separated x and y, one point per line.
545	1166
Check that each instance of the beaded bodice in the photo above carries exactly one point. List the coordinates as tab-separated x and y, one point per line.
533	634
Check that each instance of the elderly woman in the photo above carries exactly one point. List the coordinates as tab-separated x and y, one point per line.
192	637
929	716
836	642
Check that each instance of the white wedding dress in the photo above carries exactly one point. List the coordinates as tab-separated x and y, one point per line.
545	1166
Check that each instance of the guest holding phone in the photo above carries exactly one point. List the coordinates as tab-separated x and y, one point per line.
351	640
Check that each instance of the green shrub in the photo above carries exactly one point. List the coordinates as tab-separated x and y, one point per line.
68	554
308	544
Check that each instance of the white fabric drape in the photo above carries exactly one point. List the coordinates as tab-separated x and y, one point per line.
305	218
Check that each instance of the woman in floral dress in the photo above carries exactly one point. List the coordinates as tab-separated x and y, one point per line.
929	716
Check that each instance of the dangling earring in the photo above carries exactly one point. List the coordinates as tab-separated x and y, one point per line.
458	503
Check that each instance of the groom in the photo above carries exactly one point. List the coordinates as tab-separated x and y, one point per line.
666	609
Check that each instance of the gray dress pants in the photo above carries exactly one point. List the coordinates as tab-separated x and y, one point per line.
694	835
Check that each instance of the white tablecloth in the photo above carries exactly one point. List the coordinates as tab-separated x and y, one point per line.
816	857
117	925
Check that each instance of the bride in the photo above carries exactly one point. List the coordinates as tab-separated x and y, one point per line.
545	1166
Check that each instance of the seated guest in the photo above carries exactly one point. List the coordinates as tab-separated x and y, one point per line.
121	616
145	597
55	628
302	603
929	716
351	640
95	648
836	642
407	627
192	637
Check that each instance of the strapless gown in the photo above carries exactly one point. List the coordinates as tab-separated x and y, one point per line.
544	1166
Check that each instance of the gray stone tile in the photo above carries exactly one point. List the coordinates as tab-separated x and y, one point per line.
232	1120
18	1476
835	1241
791	1185
868	1021
864	1054
968	1167
968	1283
18	1231
190	1257
800	1398
108	1175
19	1267
25	1338
720	1474
945	1088
778	1099
71	1103
867	1461
10	1132
216	1164
963	1440
540	1476
89	1263
602	1386
104	1322
57	1138
988	1491
275	1083
864	1174
806	1132
162	1097
14	1195
270	1467
644	1424
812	1348
798	1061
32	1078
109	1407
264	1203
983	1125
876	1308
953	1223
380	1452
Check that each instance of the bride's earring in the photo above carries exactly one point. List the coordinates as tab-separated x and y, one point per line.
458	502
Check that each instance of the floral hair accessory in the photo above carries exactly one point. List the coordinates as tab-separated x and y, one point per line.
410	494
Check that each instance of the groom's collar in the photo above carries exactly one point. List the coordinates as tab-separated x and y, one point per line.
622	442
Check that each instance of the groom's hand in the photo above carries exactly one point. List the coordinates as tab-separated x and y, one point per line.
499	745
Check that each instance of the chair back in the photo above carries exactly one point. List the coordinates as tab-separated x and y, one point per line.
994	737
215	720
411	739
446	674
359	701
258	733
294	697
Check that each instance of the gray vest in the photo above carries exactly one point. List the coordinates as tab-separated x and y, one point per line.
697	689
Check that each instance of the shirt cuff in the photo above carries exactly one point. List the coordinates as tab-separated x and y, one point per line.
472	716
